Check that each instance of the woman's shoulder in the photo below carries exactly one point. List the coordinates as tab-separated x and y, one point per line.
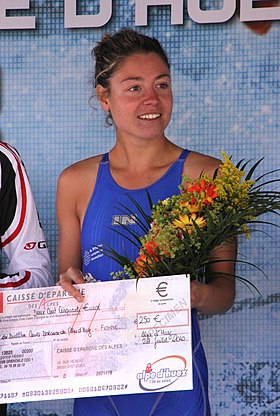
78	180
76	183
78	170
198	163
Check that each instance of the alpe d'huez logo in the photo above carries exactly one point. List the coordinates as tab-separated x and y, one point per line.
162	373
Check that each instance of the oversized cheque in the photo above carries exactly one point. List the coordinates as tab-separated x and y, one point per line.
122	339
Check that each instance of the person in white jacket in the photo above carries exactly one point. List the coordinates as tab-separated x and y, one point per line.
21	236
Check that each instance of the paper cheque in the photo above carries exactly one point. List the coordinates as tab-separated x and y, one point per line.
123	338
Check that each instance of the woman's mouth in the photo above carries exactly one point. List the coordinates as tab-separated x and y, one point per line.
149	116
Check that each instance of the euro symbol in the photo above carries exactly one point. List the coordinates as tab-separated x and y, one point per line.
162	289
157	319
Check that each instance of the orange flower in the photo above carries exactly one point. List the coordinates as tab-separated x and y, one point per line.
150	247
140	265
147	259
195	188
204	190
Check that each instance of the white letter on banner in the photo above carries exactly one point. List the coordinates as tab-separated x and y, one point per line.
249	13
141	10
71	20
15	22
211	16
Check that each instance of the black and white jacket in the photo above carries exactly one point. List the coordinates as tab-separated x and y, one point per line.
22	237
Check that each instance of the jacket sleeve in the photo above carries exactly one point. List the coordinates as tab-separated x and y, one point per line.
22	237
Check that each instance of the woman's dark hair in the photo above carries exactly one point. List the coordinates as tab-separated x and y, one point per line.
112	50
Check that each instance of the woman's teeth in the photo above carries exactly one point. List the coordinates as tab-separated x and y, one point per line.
149	116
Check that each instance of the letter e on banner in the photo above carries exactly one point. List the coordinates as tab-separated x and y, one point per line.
15	22
248	13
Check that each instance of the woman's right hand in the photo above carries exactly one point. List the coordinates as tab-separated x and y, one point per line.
67	279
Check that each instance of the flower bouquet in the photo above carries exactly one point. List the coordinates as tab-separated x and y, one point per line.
183	230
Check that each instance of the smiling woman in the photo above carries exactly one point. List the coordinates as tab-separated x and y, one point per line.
140	89
132	82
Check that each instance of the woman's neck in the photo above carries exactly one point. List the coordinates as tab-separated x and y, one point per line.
138	167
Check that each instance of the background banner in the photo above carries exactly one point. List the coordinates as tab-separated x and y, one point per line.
226	84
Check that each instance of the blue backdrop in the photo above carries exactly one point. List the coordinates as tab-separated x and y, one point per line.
226	83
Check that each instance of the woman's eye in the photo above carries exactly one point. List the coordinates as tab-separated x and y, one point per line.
134	88
163	85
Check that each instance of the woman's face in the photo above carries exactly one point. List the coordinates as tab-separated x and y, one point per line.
140	97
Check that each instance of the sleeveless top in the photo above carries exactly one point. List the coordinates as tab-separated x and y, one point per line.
110	206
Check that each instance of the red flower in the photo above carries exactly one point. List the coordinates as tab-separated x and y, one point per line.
204	190
150	247
147	256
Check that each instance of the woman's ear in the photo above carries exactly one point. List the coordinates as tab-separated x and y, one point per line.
102	95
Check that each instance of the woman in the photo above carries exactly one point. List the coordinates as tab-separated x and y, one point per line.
133	86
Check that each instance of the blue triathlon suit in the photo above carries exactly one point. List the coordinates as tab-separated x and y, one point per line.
104	214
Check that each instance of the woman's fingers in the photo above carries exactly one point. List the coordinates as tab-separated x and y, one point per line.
68	279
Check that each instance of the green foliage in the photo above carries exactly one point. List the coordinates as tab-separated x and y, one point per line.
183	230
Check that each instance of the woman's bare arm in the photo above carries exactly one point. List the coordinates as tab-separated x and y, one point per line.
69	251
217	294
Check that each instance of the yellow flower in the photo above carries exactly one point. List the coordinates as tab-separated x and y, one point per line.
190	207
165	201
185	222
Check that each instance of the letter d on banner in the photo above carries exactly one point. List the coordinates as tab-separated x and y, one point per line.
71	20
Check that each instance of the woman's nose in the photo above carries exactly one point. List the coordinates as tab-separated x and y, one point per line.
150	96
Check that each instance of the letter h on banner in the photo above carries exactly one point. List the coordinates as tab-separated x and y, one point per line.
141	10
211	16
